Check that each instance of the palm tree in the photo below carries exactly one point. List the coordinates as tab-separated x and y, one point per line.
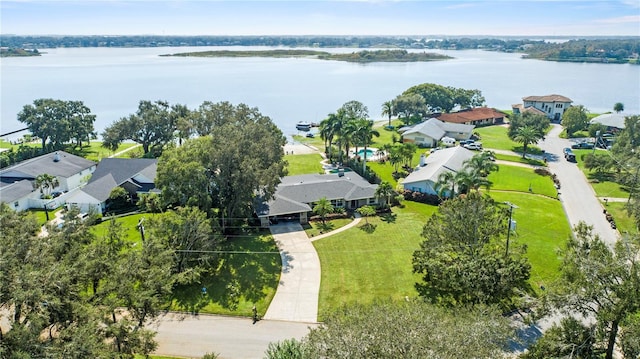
385	190
527	135
446	183
46	183
366	211
364	132
322	208
328	130
387	110
468	180
482	163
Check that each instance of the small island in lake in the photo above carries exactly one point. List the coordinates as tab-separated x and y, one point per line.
14	52
360	56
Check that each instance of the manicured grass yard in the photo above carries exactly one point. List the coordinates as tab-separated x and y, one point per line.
541	224
358	266
316	228
495	137
603	183
624	223
248	273
513	178
303	164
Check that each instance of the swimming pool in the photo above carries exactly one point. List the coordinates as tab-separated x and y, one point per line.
370	152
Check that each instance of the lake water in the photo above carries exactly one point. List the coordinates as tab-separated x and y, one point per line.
111	82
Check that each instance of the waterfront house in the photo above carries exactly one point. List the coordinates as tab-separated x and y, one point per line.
479	116
296	196
136	175
17	182
552	106
424	178
429	132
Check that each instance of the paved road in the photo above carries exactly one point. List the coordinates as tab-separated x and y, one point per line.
577	196
184	335
296	297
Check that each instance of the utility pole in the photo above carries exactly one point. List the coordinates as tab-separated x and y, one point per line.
511	206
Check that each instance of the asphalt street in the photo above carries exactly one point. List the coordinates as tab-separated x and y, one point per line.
578	198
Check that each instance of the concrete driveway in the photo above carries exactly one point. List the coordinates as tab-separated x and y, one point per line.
296	297
578	198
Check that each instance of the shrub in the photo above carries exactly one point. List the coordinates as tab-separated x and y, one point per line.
420	197
542	171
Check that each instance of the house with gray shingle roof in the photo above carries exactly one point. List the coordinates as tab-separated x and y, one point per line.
136	175
17	182
425	177
295	196
613	121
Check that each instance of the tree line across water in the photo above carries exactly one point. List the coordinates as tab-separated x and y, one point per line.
585	49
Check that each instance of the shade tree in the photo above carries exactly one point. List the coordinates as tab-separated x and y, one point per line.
575	119
462	258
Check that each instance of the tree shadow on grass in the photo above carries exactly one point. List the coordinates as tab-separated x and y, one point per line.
247	270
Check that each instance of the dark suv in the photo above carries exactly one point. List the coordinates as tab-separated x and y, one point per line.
569	155
581	145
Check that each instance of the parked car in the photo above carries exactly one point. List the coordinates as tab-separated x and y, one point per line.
435	149
582	145
466	142
569	155
473	146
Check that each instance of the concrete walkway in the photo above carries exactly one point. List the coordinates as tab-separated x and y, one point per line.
296	297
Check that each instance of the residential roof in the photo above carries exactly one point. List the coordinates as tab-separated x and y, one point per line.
547	98
59	164
528	109
113	172
429	128
475	114
15	191
436	129
610	120
449	159
295	193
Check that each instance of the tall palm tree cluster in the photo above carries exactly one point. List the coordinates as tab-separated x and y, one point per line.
348	127
471	177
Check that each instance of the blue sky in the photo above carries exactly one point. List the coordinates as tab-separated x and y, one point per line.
363	17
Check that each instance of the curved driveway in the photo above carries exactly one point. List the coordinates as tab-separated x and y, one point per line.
578	198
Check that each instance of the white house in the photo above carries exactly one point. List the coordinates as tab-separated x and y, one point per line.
17	182
136	175
553	106
613	121
425	177
428	133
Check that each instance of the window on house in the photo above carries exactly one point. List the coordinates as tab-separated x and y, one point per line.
372	201
16	204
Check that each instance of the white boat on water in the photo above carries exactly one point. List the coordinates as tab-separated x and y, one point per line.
303	126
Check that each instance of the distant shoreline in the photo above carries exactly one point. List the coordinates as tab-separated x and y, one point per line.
364	56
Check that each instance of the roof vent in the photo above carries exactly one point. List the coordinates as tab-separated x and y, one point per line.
56	157
341	172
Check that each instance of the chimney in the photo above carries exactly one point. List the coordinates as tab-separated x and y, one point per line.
56	157
423	160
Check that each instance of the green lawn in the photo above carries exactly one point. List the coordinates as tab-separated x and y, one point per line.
247	274
316	228
519	159
603	183
94	151
362	266
495	137
624	223
129	225
541	224
41	215
520	179
303	164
